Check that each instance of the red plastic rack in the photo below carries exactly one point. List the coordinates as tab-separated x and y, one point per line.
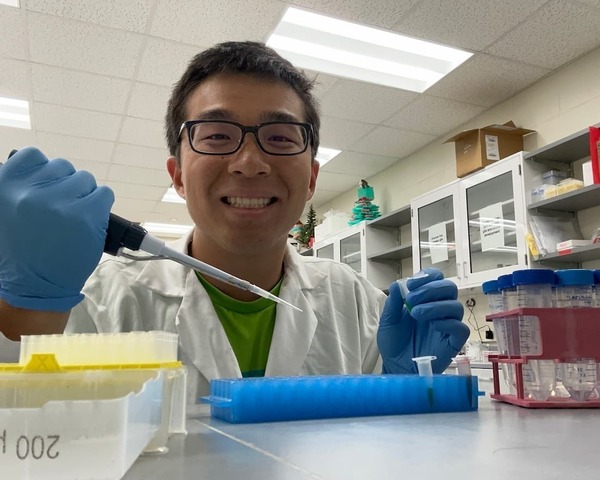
558	334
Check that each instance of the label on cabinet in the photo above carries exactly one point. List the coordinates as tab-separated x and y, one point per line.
438	243
491	226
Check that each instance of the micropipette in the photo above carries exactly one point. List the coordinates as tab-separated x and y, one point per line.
122	233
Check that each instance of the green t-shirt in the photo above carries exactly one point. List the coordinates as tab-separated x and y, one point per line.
248	325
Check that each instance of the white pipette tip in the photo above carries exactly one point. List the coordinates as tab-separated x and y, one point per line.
270	296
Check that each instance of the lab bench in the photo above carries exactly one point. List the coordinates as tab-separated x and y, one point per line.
497	442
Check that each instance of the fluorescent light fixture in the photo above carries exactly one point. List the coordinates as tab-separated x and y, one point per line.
171	196
345	49
326	154
10	3
167	229
14	113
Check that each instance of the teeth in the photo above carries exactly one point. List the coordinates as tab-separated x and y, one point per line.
242	202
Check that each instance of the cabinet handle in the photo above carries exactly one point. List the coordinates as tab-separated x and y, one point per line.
464	269
458	274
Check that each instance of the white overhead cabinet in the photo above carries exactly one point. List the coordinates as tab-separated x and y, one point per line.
374	249
473	229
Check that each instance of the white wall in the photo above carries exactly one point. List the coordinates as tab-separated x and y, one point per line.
559	105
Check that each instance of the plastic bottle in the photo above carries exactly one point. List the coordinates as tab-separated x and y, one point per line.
508	290
493	296
533	287
574	288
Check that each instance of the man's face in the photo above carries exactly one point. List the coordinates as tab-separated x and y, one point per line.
245	202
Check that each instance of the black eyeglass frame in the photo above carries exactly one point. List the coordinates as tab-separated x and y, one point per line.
308	128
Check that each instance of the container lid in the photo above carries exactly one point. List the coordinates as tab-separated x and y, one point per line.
575	277
491	286
533	276
597	277
505	281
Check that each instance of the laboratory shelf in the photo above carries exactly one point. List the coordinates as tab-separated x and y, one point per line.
393	219
566	150
573	201
392	254
577	255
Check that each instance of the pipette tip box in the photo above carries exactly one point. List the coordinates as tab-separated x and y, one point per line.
272	399
85	420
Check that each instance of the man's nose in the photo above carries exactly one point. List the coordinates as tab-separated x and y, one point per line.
250	160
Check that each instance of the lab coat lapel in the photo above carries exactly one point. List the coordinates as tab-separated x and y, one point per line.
294	331
201	334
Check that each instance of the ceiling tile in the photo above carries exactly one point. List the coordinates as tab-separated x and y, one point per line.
339	182
82	46
358	164
391	142
339	133
139	156
148	101
72	89
364	102
486	80
465	23
178	210
14	79
433	115
139	192
75	148
163	61
208	22
142	132
14	39
323	83
74	121
139	176
125	15
320	197
15	138
569	30
382	13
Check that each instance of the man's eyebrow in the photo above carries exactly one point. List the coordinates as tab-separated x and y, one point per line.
223	114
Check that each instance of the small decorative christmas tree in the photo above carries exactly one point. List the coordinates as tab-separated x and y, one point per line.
307	235
363	208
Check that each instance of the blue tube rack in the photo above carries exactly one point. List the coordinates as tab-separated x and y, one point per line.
273	399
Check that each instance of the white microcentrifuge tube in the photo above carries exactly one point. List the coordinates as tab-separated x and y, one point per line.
402	283
424	365
463	365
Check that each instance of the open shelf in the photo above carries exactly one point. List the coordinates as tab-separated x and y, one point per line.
580	254
573	201
394	219
394	253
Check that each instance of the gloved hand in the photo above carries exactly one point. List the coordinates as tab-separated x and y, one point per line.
53	223
432	327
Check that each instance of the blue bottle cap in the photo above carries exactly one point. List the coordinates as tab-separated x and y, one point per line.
491	286
597	277
533	276
505	281
574	277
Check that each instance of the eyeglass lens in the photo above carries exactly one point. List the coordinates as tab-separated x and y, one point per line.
223	138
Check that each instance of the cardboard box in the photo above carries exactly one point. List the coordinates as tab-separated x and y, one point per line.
481	147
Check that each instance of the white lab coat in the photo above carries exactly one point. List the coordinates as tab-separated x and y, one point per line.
334	334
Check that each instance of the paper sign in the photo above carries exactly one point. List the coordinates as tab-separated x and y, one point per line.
438	243
491	227
492	151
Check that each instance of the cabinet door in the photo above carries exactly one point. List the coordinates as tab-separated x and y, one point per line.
435	231
350	251
326	251
493	215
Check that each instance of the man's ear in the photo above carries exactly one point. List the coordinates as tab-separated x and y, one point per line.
175	172
313	179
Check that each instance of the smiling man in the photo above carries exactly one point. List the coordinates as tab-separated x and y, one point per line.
243	131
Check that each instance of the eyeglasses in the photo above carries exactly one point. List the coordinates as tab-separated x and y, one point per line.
221	137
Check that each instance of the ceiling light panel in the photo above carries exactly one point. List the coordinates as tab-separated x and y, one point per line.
341	48
14	113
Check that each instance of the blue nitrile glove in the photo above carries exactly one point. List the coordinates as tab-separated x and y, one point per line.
53	223
433	327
